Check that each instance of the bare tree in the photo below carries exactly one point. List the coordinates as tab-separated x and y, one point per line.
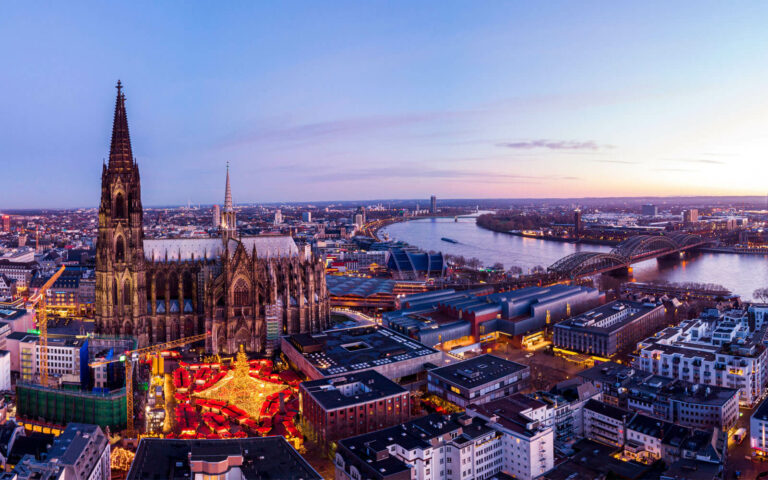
515	270
474	263
761	294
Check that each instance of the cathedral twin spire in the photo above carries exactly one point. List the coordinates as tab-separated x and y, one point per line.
120	154
228	221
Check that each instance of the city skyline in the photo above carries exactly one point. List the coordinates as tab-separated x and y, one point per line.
501	101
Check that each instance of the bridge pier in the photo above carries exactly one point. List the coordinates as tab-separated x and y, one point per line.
622	272
671	256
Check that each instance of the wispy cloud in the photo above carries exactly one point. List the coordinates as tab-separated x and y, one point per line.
431	173
293	133
555	145
674	170
707	161
621	162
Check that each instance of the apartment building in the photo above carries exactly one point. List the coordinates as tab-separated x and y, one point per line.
672	400
565	407
475	445
605	423
721	353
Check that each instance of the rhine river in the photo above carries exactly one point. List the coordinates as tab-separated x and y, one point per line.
741	274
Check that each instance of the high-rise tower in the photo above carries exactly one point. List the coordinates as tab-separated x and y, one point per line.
120	266
228	221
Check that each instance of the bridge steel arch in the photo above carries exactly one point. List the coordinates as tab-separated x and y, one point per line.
685	240
575	264
644	244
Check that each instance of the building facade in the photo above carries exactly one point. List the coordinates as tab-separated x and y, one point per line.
722	353
758	430
608	329
166	289
478	380
672	400
605	423
349	405
476	445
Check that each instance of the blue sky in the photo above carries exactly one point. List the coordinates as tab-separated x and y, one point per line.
362	100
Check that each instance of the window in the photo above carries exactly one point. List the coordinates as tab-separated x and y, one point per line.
242	296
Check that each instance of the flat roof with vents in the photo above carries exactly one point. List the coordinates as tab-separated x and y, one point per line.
478	371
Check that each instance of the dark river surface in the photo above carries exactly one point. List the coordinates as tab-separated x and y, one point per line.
741	274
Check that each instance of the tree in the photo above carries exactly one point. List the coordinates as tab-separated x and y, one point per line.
515	270
538	269
474	263
761	294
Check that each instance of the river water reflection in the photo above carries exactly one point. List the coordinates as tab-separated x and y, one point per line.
741	274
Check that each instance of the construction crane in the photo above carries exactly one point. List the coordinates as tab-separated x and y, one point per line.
39	300
130	356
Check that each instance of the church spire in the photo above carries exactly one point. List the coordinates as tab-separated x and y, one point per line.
228	220
228	194
120	154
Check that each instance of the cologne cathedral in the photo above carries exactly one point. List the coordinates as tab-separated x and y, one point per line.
240	290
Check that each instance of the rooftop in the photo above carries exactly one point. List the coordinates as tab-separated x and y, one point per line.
615	413
478	371
183	249
262	458
347	390
761	413
609	317
371	449
360	287
337	352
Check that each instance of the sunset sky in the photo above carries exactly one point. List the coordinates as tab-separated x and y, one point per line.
314	101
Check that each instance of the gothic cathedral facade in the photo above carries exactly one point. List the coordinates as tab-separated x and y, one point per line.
239	290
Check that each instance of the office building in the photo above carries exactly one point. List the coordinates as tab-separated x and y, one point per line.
216	213
340	407
67	359
345	351
690	216
577	223
232	459
609	329
722	352
478	380
649	210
